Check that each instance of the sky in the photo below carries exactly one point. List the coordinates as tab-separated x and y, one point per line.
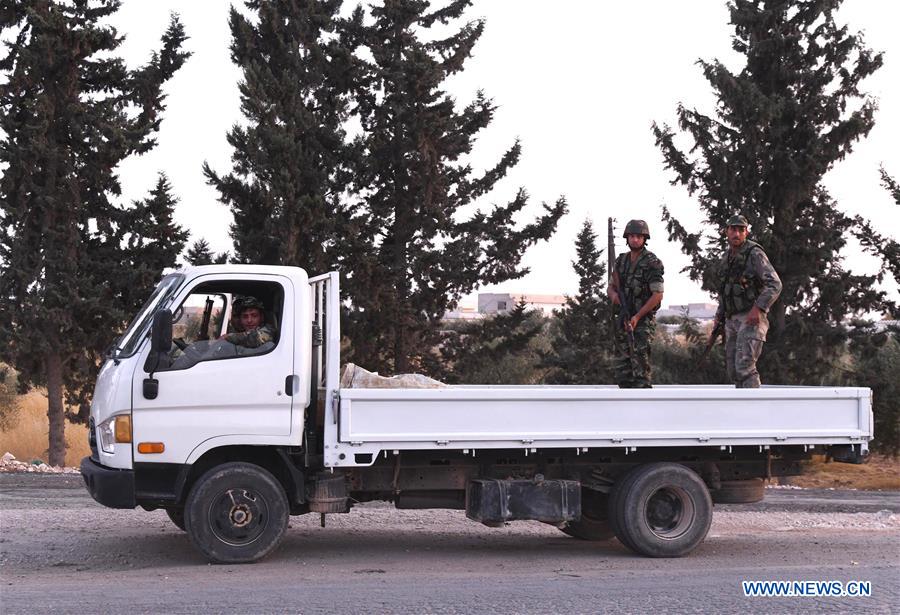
578	82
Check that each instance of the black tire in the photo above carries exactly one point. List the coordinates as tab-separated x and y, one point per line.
236	513
177	517
661	510
594	522
740	491
616	506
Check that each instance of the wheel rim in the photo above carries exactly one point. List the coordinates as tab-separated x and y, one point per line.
669	512
238	516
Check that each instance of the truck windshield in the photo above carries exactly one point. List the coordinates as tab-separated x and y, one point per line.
131	339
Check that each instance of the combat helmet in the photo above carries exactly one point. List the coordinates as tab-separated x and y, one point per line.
636	227
737	220
243	302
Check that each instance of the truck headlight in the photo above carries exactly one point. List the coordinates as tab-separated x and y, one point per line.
116	429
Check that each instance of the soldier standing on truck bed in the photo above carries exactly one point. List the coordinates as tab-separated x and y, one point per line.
748	287
636	287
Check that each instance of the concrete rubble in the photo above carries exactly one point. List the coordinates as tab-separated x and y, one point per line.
355	377
9	464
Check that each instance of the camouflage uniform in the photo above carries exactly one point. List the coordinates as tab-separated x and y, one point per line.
747	279
638	282
253	338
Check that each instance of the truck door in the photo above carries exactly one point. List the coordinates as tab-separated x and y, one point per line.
212	388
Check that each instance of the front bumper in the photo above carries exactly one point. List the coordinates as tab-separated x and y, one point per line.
109	486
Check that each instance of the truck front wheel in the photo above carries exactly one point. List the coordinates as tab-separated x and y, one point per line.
661	510
176	515
236	513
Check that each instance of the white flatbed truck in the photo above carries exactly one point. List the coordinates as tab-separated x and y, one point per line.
230	441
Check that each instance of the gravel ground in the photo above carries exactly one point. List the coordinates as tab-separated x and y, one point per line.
61	552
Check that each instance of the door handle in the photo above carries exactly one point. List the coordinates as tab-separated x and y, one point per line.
292	384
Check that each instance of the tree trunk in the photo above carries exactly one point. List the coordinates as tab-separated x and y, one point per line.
55	412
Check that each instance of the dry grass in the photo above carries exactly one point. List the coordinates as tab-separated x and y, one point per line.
880	472
27	438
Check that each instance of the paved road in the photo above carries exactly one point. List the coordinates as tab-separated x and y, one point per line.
62	553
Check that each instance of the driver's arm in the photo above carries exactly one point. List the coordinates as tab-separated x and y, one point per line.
252	339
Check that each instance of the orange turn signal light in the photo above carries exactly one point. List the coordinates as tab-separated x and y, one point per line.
123	428
148	448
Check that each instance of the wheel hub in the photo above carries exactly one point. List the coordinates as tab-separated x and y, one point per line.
238	516
669	512
241	515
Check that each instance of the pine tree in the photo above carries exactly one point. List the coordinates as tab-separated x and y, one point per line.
140	243
890	184
875	362
200	254
680	357
70	112
793	110
152	242
501	349
417	257
290	158
581	337
878	244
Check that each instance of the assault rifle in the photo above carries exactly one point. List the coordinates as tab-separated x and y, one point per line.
718	330
624	319
204	324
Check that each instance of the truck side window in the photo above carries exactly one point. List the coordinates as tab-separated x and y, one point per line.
200	317
225	320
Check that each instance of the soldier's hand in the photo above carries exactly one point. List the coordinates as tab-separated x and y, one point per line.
614	296
753	316
633	323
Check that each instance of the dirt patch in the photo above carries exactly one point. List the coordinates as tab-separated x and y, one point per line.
879	473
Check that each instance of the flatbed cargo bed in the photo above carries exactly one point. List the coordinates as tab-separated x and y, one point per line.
534	417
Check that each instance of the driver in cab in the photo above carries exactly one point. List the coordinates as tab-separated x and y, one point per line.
250	318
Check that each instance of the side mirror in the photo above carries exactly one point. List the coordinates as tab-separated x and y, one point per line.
161	333
160	344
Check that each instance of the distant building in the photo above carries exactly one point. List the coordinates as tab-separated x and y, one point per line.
463	313
490	304
494	303
697	311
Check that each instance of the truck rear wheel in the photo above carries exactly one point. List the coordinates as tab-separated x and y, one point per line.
661	510
615	507
236	513
594	522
